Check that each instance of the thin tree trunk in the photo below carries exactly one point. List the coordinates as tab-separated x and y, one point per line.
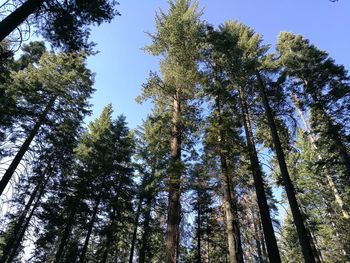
11	247
134	235
108	243
338	198
230	205
199	231
17	17
175	171
25	146
333	132
304	239
271	243
147	217
90	226
25	226
65	236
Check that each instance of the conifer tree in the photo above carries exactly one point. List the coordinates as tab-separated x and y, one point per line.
177	42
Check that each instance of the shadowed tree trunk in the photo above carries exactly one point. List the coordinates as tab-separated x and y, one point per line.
134	234
271	243
17	17
230	201
304	239
146	228
25	146
11	247
175	171
330	181
65	236
90	226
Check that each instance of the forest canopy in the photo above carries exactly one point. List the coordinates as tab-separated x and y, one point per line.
243	157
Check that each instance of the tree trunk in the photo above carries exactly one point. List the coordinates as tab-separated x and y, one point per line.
25	226
271	243
134	234
333	132
333	187
175	171
147	217
17	17
90	226
11	247
25	146
288	185
65	236
230	204
199	231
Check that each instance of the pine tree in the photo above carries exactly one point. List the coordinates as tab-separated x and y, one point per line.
177	41
63	23
58	88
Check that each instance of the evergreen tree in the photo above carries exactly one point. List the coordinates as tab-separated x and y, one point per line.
177	41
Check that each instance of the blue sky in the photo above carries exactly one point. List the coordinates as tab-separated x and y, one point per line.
121	67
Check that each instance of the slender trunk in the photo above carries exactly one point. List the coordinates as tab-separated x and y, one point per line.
134	234
11	247
17	17
230	205
108	243
304	239
90	226
199	231
257	237
271	243
262	239
25	146
333	132
146	232
330	181
65	236
25	226
175	170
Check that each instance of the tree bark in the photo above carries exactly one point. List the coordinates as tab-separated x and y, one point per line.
271	243
11	247
17	17
65	236
230	201
199	231
25	226
330	181
332	130
25	146
175	171
134	234
304	240
90	226
147	217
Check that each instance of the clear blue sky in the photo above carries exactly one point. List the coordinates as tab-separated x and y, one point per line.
121	67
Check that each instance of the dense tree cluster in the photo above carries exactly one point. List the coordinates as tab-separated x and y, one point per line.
233	123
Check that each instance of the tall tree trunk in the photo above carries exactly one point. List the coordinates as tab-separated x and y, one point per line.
199	231
65	235
332	185
146	230
175	171
107	248
25	146
333	132
134	234
11	247
17	17
20	236
230	204
271	243
90	226
304	239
